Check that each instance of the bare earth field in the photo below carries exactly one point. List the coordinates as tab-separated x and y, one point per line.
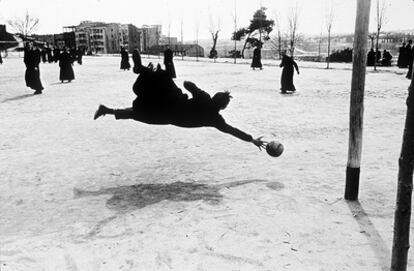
79	194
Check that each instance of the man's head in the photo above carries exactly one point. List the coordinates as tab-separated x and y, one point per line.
221	99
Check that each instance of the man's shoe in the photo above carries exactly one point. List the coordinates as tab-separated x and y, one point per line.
37	92
100	112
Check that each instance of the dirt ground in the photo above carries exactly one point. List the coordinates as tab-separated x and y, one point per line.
79	194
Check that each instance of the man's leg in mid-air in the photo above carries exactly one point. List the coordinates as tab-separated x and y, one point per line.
126	113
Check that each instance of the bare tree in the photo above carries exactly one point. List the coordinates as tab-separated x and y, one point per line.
319	46
329	19
402	215
293	20
169	33
214	30
182	39
197	29
25	26
235	29
279	35
381	20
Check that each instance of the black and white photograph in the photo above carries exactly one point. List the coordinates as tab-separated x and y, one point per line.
219	135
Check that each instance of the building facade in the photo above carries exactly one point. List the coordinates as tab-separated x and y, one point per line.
165	40
62	40
112	39
151	35
107	38
130	37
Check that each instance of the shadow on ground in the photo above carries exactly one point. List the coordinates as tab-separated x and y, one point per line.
141	195
21	97
131	197
374	238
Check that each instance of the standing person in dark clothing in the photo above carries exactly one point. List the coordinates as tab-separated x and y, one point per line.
79	55
371	57
1	59
32	60
257	58
65	64
168	62
286	81
410	57
402	59
161	102
125	60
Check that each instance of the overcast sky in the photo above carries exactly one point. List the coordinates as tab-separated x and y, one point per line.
54	14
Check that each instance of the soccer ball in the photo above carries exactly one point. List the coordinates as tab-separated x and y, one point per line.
274	148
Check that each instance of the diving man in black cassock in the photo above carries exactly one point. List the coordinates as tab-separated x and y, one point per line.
159	101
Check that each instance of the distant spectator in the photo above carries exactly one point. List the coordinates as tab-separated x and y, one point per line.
125	60
288	65
168	62
65	64
402	56
32	60
371	58
257	58
79	55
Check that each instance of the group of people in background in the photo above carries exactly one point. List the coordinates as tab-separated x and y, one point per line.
288	64
375	58
34	55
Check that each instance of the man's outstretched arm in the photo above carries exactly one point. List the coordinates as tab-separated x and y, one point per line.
228	129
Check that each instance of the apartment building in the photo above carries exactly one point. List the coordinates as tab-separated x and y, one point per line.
151	36
107	38
130	37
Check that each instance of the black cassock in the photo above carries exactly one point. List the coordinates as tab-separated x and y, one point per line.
371	58
288	65
125	60
257	56
65	64
32	75
402	58
160	101
168	62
